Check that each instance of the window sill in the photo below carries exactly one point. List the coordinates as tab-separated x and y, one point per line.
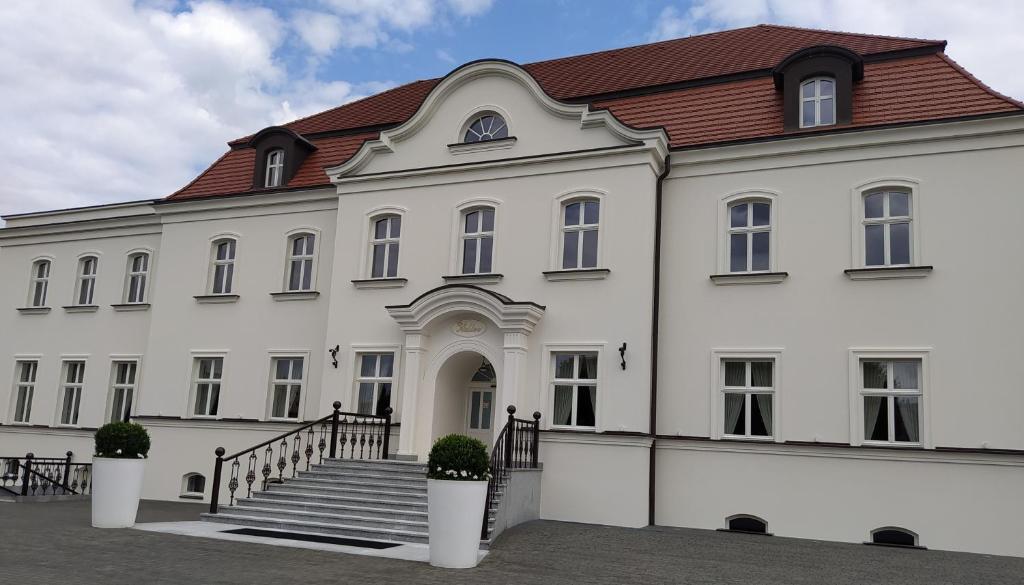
577	274
33	310
380	283
489	278
884	445
572	428
467	147
210	299
131	307
191	496
749	278
81	308
887	272
295	295
757	439
910	546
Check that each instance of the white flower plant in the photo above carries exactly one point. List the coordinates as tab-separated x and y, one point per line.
458	458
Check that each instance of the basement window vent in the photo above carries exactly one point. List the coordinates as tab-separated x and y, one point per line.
893	536
747	523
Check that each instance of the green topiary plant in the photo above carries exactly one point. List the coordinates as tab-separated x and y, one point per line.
458	458
122	440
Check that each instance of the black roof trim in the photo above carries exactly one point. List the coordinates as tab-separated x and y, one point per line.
501	298
855	60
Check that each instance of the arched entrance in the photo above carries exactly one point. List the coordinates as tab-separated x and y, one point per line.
465	393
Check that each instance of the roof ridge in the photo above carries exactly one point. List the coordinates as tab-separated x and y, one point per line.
849	33
970	76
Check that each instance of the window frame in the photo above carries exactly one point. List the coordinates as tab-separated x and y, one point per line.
85	280
455	256
376	380
748	391
858	392
194	380
559	204
78	388
716	399
858	252
816	100
113	386
25	417
302	383
387	241
723	261
473	117
273	171
231	263
131	274
190	494
549	382
290	257
479	236
35	281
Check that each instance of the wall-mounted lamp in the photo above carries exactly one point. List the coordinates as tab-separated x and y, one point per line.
622	354
334	355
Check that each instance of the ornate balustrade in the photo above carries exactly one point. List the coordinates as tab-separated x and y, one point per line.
344	435
516	447
45	476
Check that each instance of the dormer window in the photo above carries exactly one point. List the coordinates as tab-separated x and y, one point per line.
818	102
275	168
489	126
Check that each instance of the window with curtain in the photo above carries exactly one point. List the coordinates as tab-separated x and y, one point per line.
580	227
86	280
40	283
574	385
122	390
222	266
138	273
748	393
274	176
286	387
71	392
477	240
891	393
301	254
374	383
887	228
384	240
25	388
206	382
818	102
749	236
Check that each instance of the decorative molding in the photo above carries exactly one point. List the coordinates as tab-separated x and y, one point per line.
749	278
214	299
482	146
380	282
577	274
81	308
488	278
295	295
595	438
888	272
33	310
469	327
451	299
131	306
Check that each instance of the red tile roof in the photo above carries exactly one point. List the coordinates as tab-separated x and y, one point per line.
908	88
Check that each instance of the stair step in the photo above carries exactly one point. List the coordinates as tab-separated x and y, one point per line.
383	534
340	481
359	475
330	488
374	510
345	520
379	470
369	500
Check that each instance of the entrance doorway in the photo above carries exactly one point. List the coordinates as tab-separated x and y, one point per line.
480	408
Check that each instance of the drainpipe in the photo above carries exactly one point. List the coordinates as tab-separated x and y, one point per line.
654	339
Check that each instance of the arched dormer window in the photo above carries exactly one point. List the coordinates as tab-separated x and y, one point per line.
818	102
275	168
488	126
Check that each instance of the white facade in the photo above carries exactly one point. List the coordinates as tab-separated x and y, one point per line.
814	474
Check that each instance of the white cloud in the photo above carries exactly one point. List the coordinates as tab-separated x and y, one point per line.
985	36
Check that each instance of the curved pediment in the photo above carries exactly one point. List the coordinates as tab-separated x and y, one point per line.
452	299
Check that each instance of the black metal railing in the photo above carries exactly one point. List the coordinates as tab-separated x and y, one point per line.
45	476
516	447
342	435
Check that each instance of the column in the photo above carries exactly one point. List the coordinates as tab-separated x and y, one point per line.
411	357
513	372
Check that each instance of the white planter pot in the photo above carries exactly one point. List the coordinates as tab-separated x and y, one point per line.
116	489
455	513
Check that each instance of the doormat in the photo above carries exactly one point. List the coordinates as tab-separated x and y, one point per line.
313	538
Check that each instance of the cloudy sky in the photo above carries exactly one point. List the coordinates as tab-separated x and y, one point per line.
115	100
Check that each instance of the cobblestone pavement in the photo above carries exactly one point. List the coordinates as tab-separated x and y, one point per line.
52	543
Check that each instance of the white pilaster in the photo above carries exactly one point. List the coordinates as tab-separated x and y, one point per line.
513	373
411	357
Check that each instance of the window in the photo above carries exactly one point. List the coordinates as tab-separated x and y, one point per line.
480	405
40	283
747	392
275	168
223	266
86	280
301	250
489	126
818	102
887	236
286	387
477	240
891	393
575	389
122	390
580	220
376	376
71	392
138	271
193	485
207	373
893	536
384	246
24	389
747	523
749	236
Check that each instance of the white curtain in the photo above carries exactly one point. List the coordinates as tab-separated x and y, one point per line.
872	404
563	405
733	408
764	404
909	412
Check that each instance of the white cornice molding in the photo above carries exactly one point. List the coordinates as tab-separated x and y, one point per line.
656	139
509	316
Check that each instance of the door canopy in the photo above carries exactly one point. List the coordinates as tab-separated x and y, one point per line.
452	299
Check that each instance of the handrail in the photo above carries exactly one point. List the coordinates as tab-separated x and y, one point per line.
516	447
38	475
359	436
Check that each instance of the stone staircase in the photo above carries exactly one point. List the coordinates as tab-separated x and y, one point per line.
369	500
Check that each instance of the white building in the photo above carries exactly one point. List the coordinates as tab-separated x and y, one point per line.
776	287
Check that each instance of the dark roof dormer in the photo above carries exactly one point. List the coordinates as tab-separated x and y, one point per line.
273	144
825	62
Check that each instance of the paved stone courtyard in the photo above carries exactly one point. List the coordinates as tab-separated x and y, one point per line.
53	543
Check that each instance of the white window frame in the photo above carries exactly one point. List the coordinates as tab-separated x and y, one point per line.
888	184
114	385
716	385
185	492
357	378
816	100
19	362
476	115
131	274
274	172
86	282
386	241
215	243
290	257
725	205
548	381
479	236
559	204
194	381
78	388
458	226
857	392
302	382
36	281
